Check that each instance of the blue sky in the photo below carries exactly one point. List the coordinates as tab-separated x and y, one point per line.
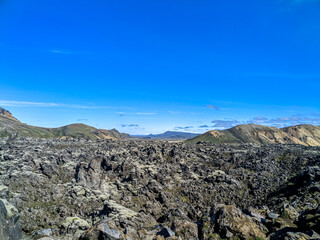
151	66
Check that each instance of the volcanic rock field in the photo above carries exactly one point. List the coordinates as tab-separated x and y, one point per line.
135	189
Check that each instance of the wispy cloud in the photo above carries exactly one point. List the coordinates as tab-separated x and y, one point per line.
213	107
53	50
220	124
279	122
57	51
68	52
287	121
129	125
259	120
7	103
82	120
27	104
184	128
145	113
225	123
174	112
137	113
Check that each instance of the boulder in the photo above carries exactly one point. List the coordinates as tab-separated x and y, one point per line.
185	229
289	212
9	222
310	220
166	233
296	236
231	222
102	231
75	222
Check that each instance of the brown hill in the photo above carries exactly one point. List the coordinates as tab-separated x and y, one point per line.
308	135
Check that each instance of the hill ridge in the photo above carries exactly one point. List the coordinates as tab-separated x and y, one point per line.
10	126
303	134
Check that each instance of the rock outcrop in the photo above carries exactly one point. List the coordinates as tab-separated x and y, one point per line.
5	113
9	222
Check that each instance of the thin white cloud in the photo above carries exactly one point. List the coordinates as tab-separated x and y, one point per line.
145	113
174	112
67	52
57	51
213	107
27	104
7	103
287	121
53	50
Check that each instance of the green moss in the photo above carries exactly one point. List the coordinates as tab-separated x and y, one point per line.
285	214
168	159
284	158
205	226
185	199
213	236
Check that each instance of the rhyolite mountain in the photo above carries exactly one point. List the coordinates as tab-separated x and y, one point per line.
169	135
10	126
304	134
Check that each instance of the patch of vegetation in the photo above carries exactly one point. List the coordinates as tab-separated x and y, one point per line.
285	214
284	159
185	199
258	238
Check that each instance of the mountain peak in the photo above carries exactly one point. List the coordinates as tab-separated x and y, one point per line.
7	114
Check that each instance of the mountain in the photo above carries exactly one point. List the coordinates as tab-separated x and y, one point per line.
169	135
7	114
308	135
80	130
10	126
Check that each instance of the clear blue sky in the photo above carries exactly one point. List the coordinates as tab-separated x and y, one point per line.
150	66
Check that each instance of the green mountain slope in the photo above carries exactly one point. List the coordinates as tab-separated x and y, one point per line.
11	126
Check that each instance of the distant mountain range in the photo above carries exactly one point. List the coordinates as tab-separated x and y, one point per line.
169	135
304	134
9	126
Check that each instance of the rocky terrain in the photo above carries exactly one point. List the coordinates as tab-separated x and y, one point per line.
303	134
103	189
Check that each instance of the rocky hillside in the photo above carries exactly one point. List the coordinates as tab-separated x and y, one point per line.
90	190
307	135
7	114
10	126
